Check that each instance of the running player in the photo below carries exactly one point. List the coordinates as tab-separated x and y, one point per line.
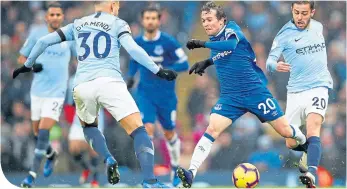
242	84
302	44
47	90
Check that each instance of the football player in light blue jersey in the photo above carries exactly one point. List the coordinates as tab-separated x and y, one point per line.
164	50
47	90
301	42
98	82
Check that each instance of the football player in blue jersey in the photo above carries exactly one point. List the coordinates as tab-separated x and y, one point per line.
242	83
167	53
48	89
302	44
99	82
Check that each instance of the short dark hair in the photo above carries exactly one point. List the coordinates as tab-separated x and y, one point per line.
304	2
151	9
54	5
219	10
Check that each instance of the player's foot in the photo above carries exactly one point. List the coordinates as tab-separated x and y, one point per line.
174	176
49	165
157	184
28	182
94	184
113	175
84	176
303	168
308	179
186	177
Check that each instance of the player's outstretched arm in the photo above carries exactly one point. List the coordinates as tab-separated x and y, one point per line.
62	34
37	50
140	56
227	45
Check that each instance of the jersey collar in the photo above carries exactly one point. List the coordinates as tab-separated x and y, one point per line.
154	39
218	35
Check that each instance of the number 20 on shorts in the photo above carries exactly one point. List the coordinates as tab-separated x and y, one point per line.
267	106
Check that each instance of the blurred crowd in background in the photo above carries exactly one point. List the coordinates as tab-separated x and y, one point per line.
247	140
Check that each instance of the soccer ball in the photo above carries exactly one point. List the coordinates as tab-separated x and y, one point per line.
246	175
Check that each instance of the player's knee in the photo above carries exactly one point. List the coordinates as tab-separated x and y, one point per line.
290	143
313	125
74	148
213	131
47	123
149	128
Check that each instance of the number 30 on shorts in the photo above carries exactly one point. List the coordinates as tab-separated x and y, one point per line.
267	106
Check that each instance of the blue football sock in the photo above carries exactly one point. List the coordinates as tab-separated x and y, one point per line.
97	141
40	149
314	153
94	163
79	159
144	152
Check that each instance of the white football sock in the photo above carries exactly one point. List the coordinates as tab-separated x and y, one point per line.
174	147
298	135
201	151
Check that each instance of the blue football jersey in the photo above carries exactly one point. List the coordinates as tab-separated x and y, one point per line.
305	51
52	80
165	51
237	71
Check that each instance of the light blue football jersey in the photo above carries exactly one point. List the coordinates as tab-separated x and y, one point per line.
97	43
52	80
305	51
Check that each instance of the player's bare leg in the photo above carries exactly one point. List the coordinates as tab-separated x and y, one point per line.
76	149
173	144
143	148
282	127
314	151
217	125
43	148
97	141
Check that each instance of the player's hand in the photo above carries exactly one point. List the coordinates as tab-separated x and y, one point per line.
37	68
130	83
167	74
199	67
22	69
194	43
282	67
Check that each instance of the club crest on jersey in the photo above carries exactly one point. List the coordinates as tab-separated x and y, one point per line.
228	32
218	107
158	50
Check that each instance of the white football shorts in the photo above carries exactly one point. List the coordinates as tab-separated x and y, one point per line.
300	104
110	93
46	107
